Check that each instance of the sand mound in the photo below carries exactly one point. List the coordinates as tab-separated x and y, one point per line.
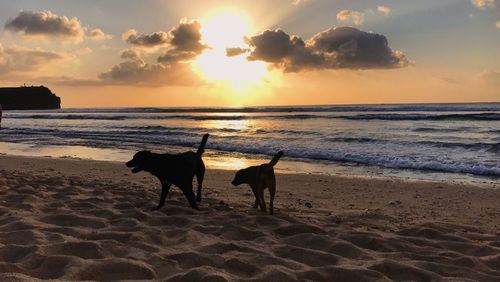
76	228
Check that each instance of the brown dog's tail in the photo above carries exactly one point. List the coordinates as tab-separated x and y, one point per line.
276	158
201	149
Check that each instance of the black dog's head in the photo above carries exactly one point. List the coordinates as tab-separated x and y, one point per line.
139	161
239	178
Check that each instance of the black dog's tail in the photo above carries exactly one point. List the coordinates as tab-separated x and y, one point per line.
201	149
276	158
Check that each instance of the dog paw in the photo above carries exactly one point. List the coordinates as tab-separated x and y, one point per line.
198	198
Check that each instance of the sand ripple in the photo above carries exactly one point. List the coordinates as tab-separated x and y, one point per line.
71	228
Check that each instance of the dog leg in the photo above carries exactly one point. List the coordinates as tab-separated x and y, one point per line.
200	173
257	198
165	187
263	202
188	192
272	192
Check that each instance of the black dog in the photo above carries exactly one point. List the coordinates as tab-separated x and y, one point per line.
259	178
177	169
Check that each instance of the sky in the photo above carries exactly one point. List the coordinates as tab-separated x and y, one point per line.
187	53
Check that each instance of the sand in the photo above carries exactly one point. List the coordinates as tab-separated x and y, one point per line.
85	220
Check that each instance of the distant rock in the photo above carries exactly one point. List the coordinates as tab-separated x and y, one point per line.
28	98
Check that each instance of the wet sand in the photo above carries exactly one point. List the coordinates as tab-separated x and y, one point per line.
87	220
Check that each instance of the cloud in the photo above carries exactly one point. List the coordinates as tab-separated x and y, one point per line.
98	34
335	48
358	18
133	71
231	52
83	51
45	23
298	2
174	56
183	43
129	54
149	74
186	37
19	59
483	4
4	62
48	24
69	80
490	76
145	40
384	10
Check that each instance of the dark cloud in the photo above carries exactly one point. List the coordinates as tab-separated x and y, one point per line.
358	49
342	47
183	43
146	40
231	52
186	37
273	46
46	23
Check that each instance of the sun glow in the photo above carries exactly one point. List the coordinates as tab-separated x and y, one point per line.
223	29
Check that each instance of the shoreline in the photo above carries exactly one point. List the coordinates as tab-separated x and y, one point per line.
234	161
91	220
294	182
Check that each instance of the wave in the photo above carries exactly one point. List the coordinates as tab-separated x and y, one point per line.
373	152
477	146
380	160
386	117
432	117
159	134
443	129
474	107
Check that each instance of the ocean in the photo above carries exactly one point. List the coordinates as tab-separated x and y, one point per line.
459	142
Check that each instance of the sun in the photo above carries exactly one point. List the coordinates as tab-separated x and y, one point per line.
225	27
221	29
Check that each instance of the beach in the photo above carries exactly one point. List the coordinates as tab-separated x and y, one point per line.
71	219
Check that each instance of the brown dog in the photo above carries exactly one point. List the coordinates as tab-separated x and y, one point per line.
177	169
259	178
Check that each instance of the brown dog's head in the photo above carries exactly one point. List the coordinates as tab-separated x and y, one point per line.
139	161
239	178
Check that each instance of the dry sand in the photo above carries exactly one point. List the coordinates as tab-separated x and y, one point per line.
86	220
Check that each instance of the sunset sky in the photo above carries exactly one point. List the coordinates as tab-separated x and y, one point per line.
241	53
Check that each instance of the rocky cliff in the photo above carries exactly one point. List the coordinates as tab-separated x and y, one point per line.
28	98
